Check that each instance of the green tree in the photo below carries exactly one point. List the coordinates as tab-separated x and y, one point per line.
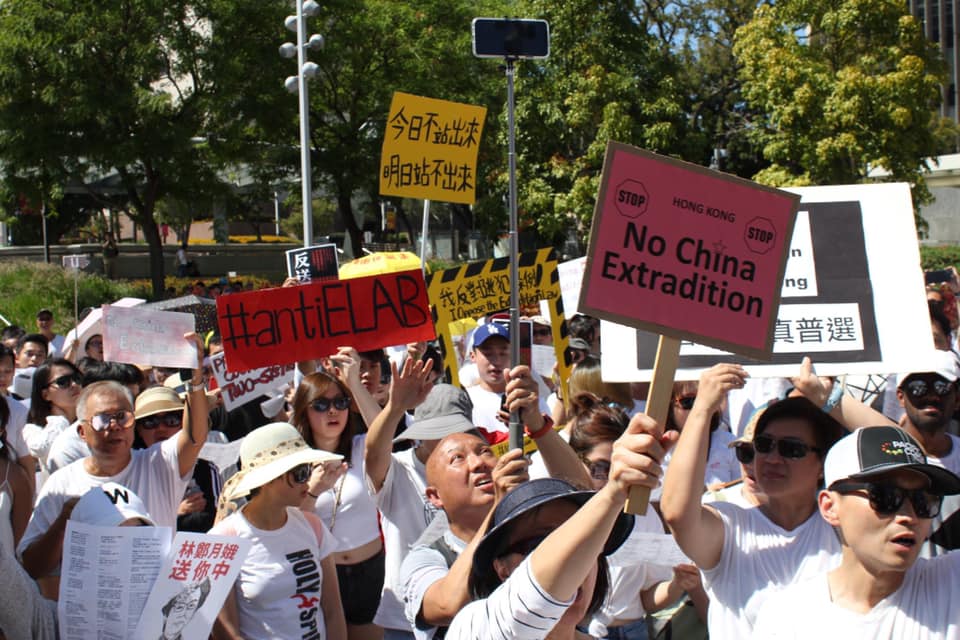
90	88
847	87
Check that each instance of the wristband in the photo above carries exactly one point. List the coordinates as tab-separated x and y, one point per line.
836	394
190	386
547	426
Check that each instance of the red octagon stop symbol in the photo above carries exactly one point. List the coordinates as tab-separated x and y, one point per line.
632	198
760	235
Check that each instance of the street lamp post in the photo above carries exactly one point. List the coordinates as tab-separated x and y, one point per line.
298	84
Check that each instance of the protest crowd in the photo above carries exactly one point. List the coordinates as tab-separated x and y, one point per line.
380	501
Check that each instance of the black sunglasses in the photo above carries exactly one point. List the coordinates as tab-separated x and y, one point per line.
524	546
686	402
323	404
172	419
919	388
745	452
886	499
300	473
786	447
599	469
65	381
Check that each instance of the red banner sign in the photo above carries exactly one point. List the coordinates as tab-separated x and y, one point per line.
289	324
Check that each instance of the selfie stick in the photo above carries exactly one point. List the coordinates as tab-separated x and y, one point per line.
516	428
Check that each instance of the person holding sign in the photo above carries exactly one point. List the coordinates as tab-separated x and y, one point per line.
746	554
158	474
287	586
881	496
541	568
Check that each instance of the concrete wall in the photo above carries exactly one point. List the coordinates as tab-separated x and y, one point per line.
943	216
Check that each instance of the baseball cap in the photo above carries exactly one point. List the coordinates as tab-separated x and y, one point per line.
44	312
109	505
943	363
447	409
490	330
872	451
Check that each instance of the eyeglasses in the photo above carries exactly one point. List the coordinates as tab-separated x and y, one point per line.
171	419
919	388
102	421
599	469
95	344
340	403
745	452
886	499
786	447
300	473
686	402
65	381
523	547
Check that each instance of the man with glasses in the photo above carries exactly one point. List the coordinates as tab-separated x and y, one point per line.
929	400
881	496
159	474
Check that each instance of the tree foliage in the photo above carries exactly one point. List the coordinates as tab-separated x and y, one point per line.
846	87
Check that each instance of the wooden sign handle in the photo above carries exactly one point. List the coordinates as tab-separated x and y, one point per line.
658	404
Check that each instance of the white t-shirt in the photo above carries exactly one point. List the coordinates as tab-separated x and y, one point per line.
280	584
404	515
39	440
945	530
722	465
356	514
925	607
422	567
55	346
15	424
758	559
67	448
519	609
628	579
153	474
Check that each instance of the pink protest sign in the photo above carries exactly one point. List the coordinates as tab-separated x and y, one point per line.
687	252
148	336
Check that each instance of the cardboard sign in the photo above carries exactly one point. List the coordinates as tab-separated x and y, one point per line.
319	262
686	252
239	388
192	586
289	324
106	576
482	288
852	295
142	336
430	149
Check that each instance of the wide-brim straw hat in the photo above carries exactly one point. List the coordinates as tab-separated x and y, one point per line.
157	400
271	451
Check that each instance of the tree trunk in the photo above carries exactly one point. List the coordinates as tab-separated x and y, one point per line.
157	267
350	222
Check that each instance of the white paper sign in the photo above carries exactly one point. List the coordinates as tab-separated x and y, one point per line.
106	576
571	278
651	548
144	336
192	586
237	389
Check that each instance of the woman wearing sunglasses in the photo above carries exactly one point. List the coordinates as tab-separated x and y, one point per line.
53	407
287	586
159	414
746	554
881	495
323	414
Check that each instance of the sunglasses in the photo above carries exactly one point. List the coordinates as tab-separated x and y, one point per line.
102	421
172	419
599	469
300	473
524	546
65	381
95	344
786	447
340	403
886	499
919	388
745	452
686	402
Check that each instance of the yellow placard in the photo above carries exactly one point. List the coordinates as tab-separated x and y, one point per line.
430	149
480	288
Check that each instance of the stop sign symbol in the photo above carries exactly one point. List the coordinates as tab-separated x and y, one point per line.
631	198
760	235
